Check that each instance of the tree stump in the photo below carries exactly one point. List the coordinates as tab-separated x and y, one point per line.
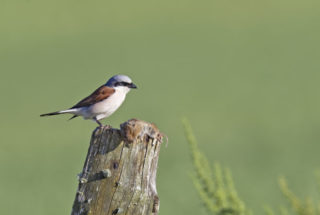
119	174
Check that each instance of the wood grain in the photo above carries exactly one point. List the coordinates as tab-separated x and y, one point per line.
119	174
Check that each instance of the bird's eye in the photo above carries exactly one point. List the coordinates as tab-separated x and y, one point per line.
125	84
122	83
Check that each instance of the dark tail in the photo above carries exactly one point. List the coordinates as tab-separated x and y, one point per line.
51	114
74	116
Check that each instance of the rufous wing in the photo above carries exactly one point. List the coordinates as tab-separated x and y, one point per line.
98	95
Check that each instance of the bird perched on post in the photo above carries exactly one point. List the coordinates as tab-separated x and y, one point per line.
103	102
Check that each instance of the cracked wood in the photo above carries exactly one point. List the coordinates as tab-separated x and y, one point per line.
119	174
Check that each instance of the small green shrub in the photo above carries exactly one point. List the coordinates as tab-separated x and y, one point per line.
215	187
214	184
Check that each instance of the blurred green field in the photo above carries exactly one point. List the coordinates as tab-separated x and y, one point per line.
245	73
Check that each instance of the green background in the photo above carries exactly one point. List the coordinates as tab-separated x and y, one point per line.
245	73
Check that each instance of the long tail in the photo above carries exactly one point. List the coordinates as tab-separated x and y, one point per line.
51	114
58	112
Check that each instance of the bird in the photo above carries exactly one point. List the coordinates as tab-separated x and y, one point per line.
103	102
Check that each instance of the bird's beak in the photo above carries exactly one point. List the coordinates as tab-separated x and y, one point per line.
133	86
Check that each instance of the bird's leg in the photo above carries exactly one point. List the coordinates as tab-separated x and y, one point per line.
97	121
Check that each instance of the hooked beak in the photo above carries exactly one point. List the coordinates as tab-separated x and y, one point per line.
132	86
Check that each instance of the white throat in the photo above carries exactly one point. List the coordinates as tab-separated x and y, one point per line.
122	90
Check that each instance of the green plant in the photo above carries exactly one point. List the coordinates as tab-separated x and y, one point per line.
214	184
219	196
298	206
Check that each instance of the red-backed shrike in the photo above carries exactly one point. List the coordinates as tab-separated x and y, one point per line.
103	102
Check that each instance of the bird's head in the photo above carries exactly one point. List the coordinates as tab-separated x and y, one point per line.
121	82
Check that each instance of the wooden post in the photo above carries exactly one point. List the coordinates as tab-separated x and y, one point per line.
119	174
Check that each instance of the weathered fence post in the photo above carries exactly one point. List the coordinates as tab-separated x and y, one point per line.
119	174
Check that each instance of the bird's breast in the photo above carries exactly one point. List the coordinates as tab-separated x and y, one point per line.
109	105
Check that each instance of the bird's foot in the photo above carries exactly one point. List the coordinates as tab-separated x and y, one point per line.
99	123
107	126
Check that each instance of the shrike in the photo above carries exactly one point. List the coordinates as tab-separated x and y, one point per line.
103	102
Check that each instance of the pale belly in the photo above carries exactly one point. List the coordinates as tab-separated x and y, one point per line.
104	108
